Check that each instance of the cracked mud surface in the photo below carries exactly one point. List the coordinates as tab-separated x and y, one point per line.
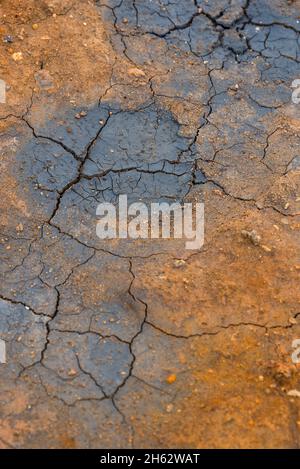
185	101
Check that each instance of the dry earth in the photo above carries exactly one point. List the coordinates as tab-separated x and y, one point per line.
143	343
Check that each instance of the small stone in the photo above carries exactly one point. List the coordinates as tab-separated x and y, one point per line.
179	262
234	88
19	228
8	39
266	248
80	114
72	372
292	320
169	408
293	393
17	56
253	236
125	20
35	26
171	378
136	72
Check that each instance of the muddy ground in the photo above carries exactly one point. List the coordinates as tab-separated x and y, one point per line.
128	343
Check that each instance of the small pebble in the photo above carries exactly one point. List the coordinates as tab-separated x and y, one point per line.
293	393
266	248
136	72
80	114
8	39
171	379
253	236
17	56
179	262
